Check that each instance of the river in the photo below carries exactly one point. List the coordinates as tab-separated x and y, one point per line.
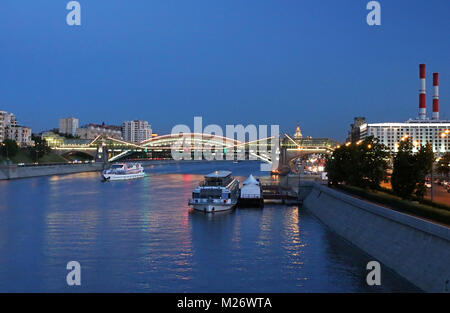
140	236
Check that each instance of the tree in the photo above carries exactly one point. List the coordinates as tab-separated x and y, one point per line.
9	148
424	164
403	180
363	164
410	170
39	149
374	162
443	166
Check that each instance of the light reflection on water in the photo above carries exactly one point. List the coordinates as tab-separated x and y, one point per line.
141	236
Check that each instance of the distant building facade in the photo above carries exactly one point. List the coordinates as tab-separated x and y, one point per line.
354	133
136	131
68	126
92	131
9	129
6	120
20	134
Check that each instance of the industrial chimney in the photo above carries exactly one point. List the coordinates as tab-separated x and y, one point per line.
435	96
422	93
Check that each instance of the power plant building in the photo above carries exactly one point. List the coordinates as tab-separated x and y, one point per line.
419	131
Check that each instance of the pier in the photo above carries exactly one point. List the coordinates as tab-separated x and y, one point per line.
286	189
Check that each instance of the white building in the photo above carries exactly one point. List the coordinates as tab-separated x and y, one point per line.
419	132
20	134
6	120
68	126
91	131
136	131
10	130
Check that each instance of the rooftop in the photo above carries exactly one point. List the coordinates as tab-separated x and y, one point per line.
218	174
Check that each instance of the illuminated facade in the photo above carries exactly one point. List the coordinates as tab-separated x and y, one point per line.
419	132
53	140
298	133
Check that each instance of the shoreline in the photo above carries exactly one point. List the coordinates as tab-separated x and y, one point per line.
13	172
414	248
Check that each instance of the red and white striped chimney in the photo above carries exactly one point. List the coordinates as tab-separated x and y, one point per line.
435	96
422	93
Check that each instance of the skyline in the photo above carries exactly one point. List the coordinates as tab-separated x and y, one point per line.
229	62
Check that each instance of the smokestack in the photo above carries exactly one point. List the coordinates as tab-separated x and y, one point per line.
422	94
435	96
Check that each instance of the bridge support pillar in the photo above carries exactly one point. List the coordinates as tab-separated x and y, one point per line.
102	154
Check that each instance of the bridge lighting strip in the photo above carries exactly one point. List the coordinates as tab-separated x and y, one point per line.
185	135
292	140
250	142
72	148
95	139
118	156
260	157
124	142
308	149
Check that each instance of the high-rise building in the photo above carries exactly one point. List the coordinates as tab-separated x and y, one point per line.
68	126
354	132
136	131
6	120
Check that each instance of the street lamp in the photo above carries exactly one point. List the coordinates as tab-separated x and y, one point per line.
6	149
443	135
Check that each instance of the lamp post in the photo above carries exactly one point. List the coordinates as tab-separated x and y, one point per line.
443	135
6	149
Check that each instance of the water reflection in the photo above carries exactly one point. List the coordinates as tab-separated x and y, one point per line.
141	236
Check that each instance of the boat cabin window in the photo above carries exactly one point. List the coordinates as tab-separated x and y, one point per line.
116	166
218	181
210	193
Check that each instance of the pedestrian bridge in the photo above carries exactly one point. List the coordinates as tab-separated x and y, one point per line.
194	146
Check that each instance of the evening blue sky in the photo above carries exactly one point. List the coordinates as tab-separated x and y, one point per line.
236	61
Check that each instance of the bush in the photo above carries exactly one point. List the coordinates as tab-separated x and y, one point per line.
441	214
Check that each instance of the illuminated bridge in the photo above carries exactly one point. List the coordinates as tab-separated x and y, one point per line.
193	146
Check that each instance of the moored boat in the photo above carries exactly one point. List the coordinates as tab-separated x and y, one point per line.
251	193
218	192
123	171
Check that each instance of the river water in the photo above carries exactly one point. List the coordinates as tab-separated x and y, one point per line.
140	236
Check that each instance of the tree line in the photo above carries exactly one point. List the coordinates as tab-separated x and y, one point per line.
366	163
9	148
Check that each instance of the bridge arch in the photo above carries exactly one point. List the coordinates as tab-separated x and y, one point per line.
83	154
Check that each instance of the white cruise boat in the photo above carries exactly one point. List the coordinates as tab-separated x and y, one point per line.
123	171
218	192
251	193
